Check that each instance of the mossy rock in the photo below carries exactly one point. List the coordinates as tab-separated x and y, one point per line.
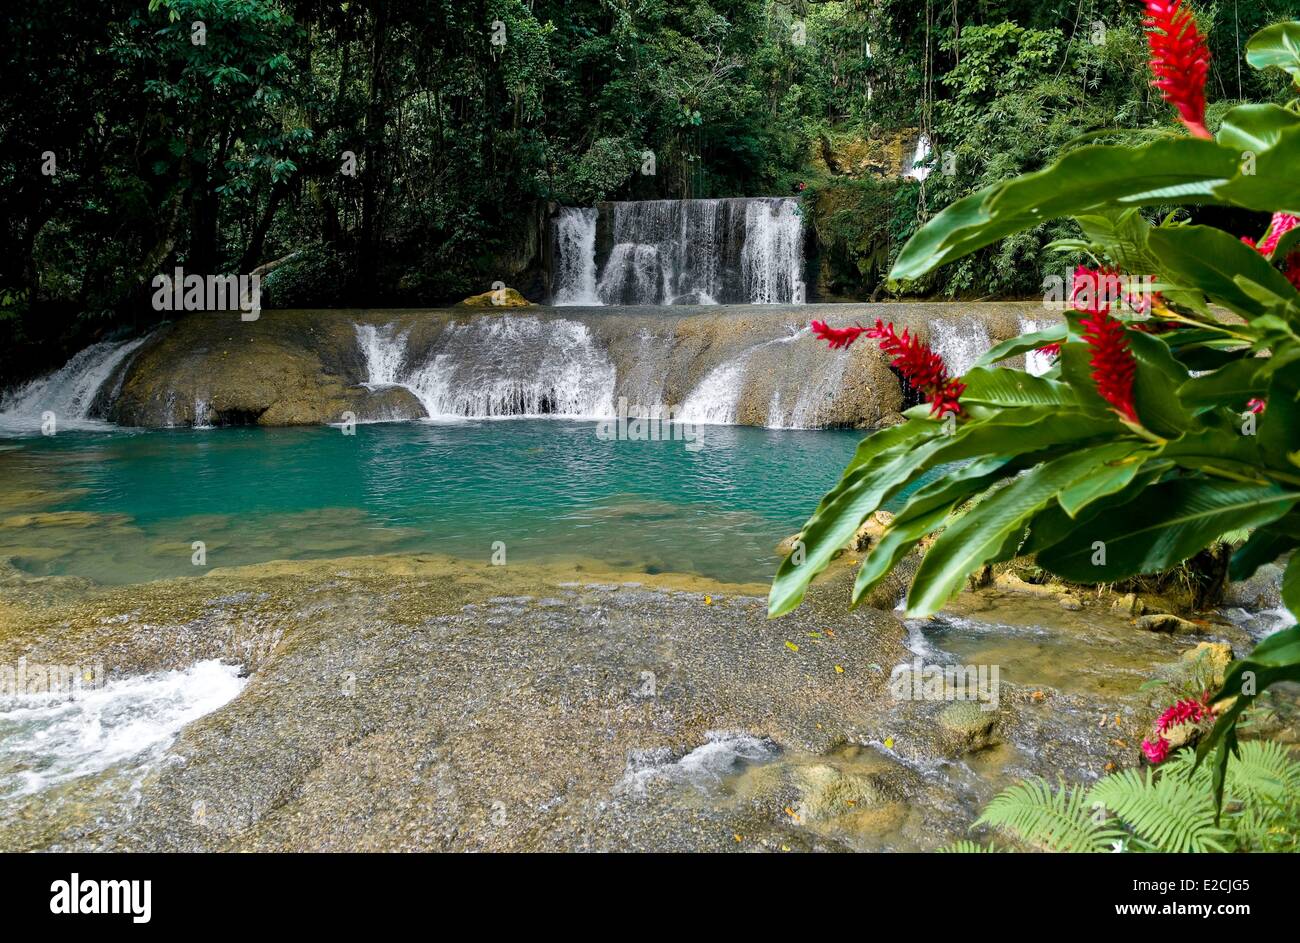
964	727
500	298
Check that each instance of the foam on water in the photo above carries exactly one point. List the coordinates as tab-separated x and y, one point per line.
724	753
48	739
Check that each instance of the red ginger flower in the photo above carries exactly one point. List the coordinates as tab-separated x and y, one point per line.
921	366
837	337
1113	366
1292	270
1183	712
1281	224
1157	750
1180	61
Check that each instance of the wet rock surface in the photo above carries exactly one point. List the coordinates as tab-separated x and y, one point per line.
398	703
304	367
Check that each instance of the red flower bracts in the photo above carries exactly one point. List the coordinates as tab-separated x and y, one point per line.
837	337
1113	366
1190	711
921	366
1281	224
1180	61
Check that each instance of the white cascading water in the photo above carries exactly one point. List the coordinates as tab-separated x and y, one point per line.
575	256
52	738
69	392
772	260
716	399
960	343
815	394
918	167
725	251
633	271
498	367
1036	364
384	354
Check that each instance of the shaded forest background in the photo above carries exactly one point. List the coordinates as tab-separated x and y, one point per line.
231	154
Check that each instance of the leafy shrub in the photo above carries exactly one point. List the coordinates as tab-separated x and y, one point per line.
1156	432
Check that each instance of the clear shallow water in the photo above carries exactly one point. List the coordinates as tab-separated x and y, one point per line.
127	506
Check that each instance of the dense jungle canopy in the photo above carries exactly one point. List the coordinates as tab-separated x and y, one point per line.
406	153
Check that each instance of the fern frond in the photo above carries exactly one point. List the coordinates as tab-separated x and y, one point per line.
1263	770
1171	813
968	847
1056	820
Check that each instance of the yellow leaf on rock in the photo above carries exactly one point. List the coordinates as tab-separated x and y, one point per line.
792	646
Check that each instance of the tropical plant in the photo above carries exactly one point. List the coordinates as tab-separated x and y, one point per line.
1172	413
1169	810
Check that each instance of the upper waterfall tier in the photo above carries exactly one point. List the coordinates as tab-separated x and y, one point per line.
665	252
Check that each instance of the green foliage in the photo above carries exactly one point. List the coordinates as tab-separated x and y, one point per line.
1053	469
1057	819
1172	809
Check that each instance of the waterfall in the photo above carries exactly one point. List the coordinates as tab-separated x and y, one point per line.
960	343
497	367
815	393
575	257
918	166
632	276
70	392
772	260
716	399
384	354
660	252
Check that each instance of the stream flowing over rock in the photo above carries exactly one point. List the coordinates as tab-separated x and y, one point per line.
417	703
745	364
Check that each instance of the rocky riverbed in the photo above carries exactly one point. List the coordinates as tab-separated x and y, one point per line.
419	702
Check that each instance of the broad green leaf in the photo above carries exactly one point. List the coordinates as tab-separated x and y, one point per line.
908	433
1255	128
1277	46
1185	170
1002	387
1291	585
1023	344
1210	260
1155	386
864	489
1165	525
1106	480
1233	386
1274	186
924	513
982	533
